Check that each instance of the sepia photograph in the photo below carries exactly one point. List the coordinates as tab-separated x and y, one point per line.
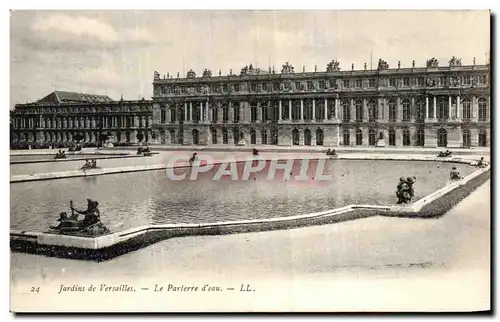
250	161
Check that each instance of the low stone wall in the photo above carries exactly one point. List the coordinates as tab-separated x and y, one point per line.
88	156
116	244
104	171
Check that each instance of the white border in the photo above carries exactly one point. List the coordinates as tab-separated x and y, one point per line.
150	4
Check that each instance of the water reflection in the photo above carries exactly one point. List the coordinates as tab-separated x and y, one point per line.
134	199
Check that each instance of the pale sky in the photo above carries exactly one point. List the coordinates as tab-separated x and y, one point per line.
116	52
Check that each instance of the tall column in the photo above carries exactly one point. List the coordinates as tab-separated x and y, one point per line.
301	110
435	108
459	116
290	110
136	121
314	110
185	112
353	110
259	113
365	111
325	116
449	107
280	113
206	111
190	112
399	110
337	109
427	107
202	112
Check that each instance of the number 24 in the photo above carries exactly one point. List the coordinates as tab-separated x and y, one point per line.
35	289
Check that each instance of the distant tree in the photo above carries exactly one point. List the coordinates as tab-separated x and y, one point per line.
140	137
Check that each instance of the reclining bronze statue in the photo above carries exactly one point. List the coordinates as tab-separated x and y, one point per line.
90	225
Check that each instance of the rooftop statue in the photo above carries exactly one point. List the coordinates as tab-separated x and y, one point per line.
248	70
432	63
156	75
287	69
454	61
333	66
191	74
382	64
207	73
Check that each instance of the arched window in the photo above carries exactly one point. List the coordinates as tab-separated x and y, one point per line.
346	137
483	109
253	112
359	137
196	112
359	110
443	108
214	135
225	114
263	136
253	136
319	137
296	110
274	136
264	108
307	137
236	135
466	110
420	110
372	111
320	109
442	138
171	132
346	110
295	137
406	137
308	109
225	136
393	110
196	137
372	137
420	136
466	138
392	137
215	113
406	110
482	138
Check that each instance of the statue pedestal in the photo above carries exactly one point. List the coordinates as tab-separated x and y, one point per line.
380	143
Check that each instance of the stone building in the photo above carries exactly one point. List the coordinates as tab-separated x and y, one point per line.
431	106
65	116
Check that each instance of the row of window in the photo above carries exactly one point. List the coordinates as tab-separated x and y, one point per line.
272	138
271	112
86	136
81	109
324	84
82	122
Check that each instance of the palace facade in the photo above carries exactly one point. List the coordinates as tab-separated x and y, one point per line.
67	116
431	106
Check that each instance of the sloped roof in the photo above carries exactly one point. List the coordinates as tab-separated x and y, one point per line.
61	97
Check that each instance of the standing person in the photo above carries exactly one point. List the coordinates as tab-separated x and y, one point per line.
192	159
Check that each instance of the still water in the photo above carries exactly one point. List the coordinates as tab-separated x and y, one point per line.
134	199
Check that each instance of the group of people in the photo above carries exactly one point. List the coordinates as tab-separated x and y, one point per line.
405	191
145	151
75	148
444	154
60	155
330	152
92	216
89	164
